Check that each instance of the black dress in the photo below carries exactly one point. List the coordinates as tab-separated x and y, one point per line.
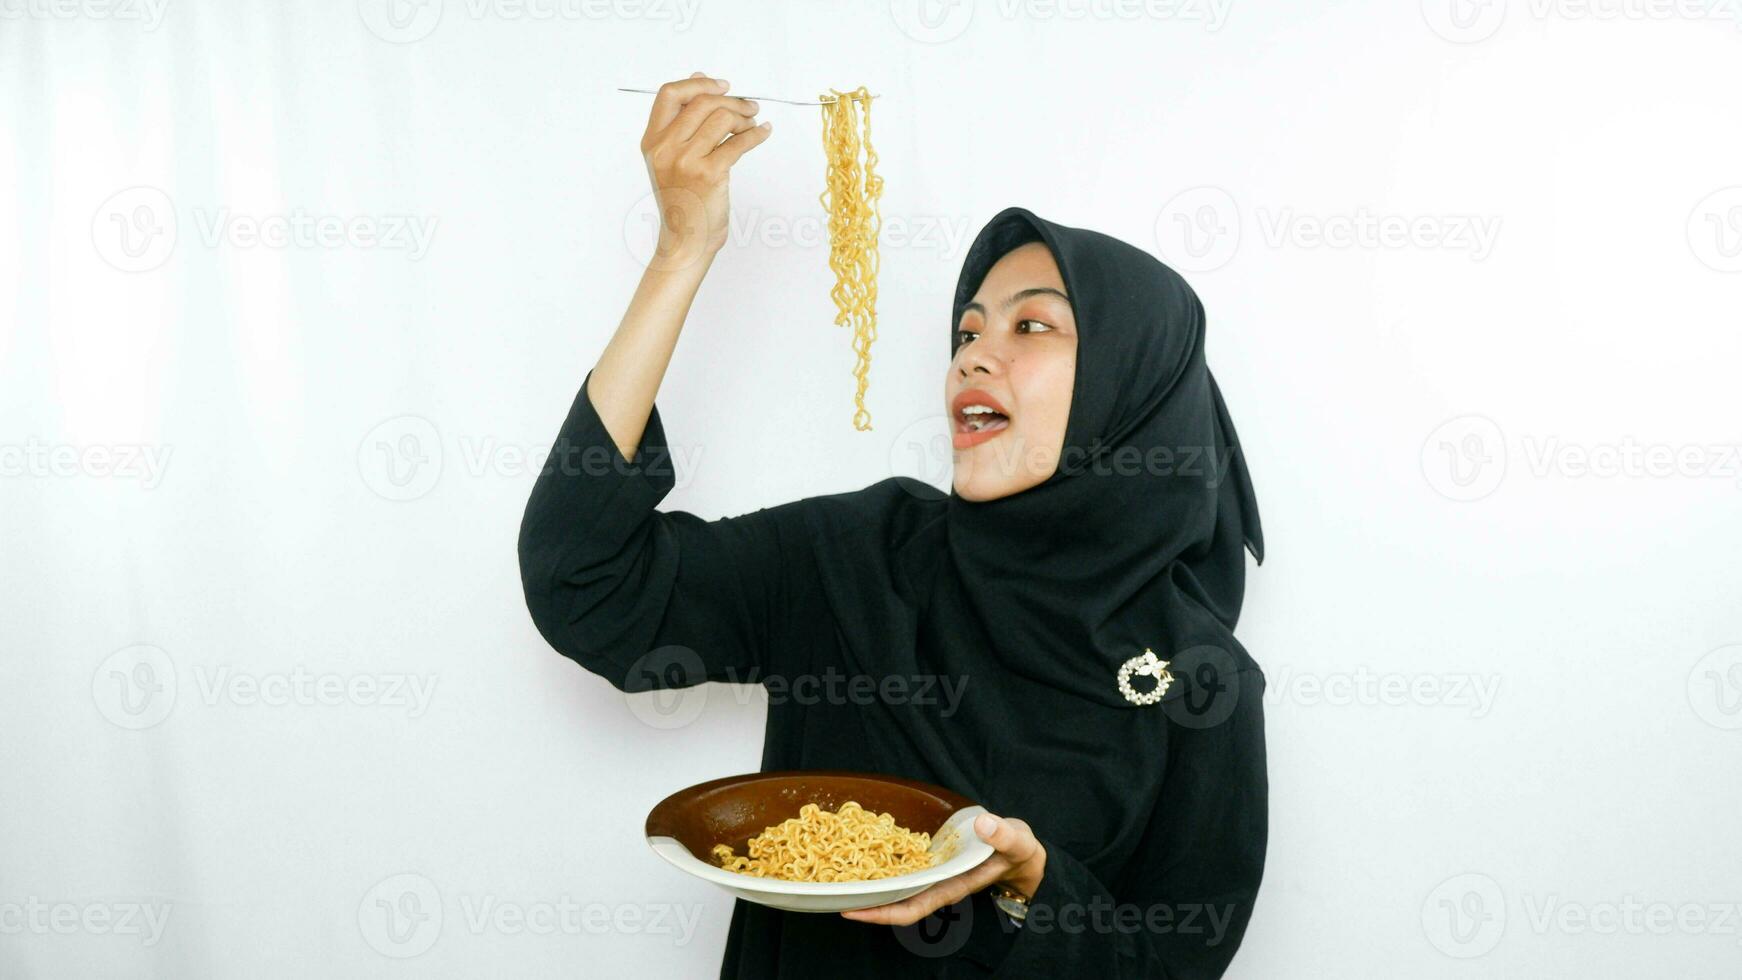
1149	874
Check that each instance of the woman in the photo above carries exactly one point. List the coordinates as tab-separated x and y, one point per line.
1069	605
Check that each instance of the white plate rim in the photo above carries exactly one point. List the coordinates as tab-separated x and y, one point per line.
970	854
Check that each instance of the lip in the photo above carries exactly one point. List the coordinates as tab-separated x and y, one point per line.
960	436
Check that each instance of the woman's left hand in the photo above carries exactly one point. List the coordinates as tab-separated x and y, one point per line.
1017	858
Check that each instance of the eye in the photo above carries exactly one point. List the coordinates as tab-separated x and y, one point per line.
963	336
1028	326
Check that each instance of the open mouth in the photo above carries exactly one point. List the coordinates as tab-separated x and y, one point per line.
975	417
981	418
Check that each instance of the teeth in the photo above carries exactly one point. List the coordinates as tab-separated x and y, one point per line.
978	417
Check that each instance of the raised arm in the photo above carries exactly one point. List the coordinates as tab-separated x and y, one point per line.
695	134
607	577
610	580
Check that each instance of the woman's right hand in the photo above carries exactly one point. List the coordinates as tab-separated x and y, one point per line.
694	135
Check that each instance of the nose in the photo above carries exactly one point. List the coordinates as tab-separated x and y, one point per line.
984	355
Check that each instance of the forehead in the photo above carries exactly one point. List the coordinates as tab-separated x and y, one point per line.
1030	264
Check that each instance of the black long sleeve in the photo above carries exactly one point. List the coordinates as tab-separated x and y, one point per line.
609	578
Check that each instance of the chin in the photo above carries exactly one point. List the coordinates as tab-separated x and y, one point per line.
967	491
978	492
988	464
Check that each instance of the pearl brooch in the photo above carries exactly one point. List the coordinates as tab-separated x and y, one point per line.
1149	666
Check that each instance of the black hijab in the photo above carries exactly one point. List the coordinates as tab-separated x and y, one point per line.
1137	542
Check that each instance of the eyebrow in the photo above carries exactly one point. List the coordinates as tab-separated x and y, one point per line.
1017	297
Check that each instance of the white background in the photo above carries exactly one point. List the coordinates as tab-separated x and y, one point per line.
1496	457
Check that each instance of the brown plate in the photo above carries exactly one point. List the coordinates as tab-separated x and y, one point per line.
686	825
733	809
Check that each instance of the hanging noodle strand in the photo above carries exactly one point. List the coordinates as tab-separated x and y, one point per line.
851	192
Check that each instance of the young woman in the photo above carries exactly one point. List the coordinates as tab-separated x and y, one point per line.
1061	623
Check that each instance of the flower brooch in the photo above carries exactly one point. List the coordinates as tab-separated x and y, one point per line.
1149	666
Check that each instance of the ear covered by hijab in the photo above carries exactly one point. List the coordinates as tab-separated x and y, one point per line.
1137	541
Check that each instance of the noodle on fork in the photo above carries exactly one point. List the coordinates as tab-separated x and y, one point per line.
850	196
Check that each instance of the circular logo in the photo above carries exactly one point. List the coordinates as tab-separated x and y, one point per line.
672	207
135	229
1465	458
1465	916
1464	21
1715	230
401	459
400	21
1208	679
932	21
940	933
1199	229
401	916
664	687
134	687
1715	688
923	451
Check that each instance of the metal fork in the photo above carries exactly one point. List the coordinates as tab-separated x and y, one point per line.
753	98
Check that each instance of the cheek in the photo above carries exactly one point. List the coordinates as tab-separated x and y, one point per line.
1046	398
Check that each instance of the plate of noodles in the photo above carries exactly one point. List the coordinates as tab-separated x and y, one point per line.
818	841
